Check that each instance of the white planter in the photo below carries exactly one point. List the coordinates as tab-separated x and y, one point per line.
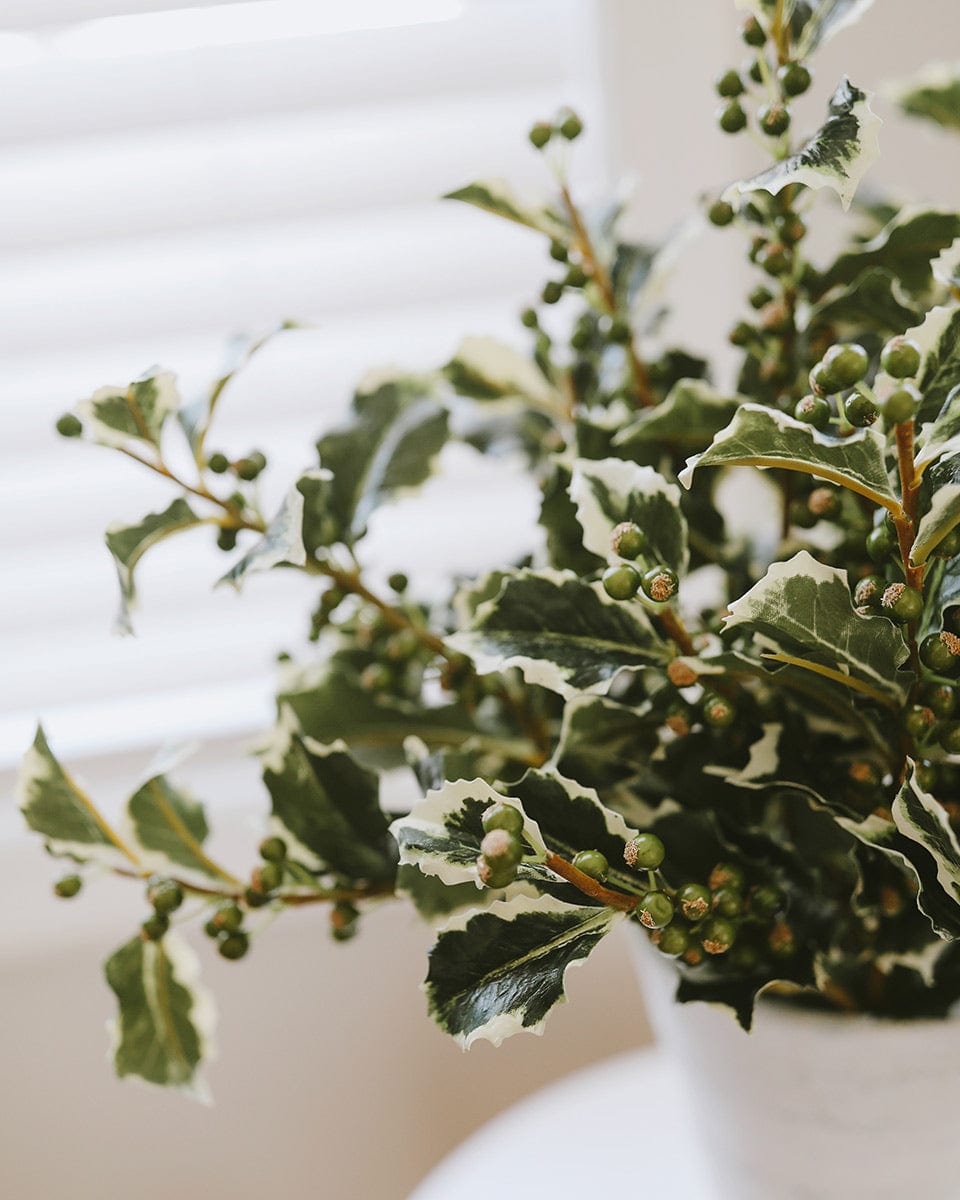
812	1106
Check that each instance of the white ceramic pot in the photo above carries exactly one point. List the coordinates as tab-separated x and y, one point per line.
814	1106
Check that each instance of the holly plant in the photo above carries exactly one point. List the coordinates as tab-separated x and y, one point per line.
745	744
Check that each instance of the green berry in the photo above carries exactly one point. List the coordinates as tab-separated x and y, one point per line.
227	919
344	921
268	877
774	119
949	547
502	816
918	720
529	318
813	410
775	259
376	677
753	32
211	928
621	582
67	887
927	775
500	848
950	736
645	852
718	712
153	928
781	941
628	540
729	85
755	70
940	698
742	334
226	539
880	544
540	134
727	902
552	291
69	426
720	213
801	515
792	229
847	362
495	875
794	78
559	251
254	898
592	863
901	358
655	910
659	584
823	382
695	901
398	582
726	874
218	463
941	652
571	126
859	410
619	331
868	591
165	895
273	849
581	339
717	935
246	469
760	297
233	946
576	277
732	118
901	405
766	900
901	602
674	940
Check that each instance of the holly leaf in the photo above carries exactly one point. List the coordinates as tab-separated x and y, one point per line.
805	611
500	971
872	301
762	437
114	415
688	418
837	156
815	21
940	436
563	634
485	369
938	336
280	545
904	247
165	1022
934	94
941	505
497	197
328	805
946	266
169	828
558	519
613	490
55	806
396	431
129	543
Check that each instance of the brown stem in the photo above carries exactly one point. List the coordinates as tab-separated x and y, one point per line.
238	520
780	31
590	887
293	899
675	630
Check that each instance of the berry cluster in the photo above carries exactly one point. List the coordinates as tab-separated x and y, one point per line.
781	82
501	850
622	581
842	369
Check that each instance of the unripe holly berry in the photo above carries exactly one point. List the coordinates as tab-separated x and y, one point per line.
267	877
228	919
792	229
655	910
847	362
822	380
501	848
755	70
776	318
801	515
226	539
552	291
753	32
628	540
680	674
529	318
868	591
659	584
901	357
717	935
901	602
344	921
645	852
727	902
765	900
949	547
781	941
742	334
718	711
495	875
759	297
949	737
570	125
273	849
618	330
859	410
774	119
502	816
941	652
621	582
940	698
540	134
233	946
901	405
918	720
250	467
813	410
729	84
68	887
794	78
824	502
880	544
558	251
254	898
726	874
926	775
775	259
69	425
732	118
674	940
211	929
695	901
720	213
153	928
164	895
592	863
376	677
218	463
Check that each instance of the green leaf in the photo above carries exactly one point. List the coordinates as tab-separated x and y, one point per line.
486	369
934	94
938	337
806	610
558	519
129	543
904	246
687	419
397	430
871	302
280	545
500	971
496	196
940	436
56	807
837	156
612	490
941	497
113	415
328	805
815	21
165	1021
435	900
562	633
762	437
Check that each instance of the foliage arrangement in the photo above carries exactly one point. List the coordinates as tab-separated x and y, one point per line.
748	748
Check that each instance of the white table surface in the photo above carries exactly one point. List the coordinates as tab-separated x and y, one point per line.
580	1137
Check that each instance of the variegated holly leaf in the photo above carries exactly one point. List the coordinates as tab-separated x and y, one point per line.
687	419
763	437
563	634
805	610
815	21
328	805
904	246
938	337
397	429
837	156
873	301
612	490
933	94
500	971
941	508
164	1026
55	806
497	197
280	545
114	415
558	515
169	829
129	543
940	436
946	266
486	369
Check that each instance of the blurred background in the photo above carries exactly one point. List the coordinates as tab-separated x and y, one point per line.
176	175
